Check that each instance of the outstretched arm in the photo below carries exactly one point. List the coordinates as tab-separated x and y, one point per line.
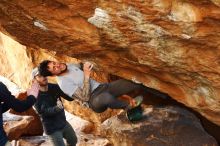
5	107
11	102
62	94
84	92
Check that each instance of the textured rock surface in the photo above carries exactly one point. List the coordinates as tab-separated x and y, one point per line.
87	114
169	45
15	125
35	141
80	126
161	126
85	140
83	131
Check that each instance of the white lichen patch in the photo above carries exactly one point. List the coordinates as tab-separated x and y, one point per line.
134	79
133	14
207	93
40	24
151	30
102	20
185	36
183	11
203	96
142	26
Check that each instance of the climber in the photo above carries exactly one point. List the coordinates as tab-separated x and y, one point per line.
51	111
9	101
98	96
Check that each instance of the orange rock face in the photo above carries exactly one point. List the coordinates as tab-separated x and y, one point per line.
89	115
169	45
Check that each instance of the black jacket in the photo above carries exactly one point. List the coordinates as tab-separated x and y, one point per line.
8	101
52	117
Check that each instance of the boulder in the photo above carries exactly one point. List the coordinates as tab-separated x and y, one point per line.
15	126
160	126
84	140
35	127
34	141
87	113
81	128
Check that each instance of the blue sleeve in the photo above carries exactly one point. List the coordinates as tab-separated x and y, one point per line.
62	94
18	105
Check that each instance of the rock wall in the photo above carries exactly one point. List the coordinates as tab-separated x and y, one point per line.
169	45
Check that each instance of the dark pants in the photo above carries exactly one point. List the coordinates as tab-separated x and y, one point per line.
105	96
67	132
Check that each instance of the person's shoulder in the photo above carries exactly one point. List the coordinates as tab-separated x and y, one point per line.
3	86
52	85
70	64
73	65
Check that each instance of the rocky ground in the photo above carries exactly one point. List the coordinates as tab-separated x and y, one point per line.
161	125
